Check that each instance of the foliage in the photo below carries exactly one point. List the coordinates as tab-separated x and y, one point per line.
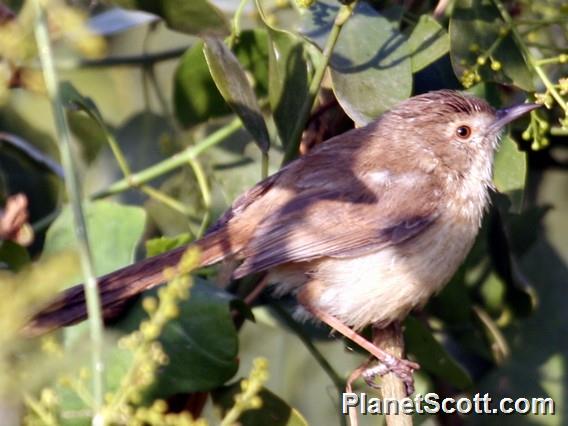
253	85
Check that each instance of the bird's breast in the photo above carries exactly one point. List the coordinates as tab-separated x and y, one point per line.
385	286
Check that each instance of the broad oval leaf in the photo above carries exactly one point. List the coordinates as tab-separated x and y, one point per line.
201	343
427	43
510	172
114	231
196	98
371	69
291	61
232	82
474	28
432	356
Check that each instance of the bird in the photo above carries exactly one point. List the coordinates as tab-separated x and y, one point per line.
363	229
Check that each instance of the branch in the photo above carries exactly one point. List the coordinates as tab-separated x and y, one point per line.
390	339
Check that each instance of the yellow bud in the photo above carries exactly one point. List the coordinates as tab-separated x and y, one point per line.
481	60
563	58
255	402
526	135
160	406
149	304
495	65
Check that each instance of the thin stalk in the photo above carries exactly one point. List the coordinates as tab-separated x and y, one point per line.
558	131
193	162
341	18
172	203
43	415
547	61
205	194
175	161
64	137
236	24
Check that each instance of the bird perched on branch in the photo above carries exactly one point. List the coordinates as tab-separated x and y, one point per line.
363	229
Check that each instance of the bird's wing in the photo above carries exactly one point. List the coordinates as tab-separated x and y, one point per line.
341	218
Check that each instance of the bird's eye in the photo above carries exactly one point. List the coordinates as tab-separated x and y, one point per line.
463	132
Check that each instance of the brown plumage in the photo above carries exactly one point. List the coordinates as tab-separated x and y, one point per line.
365	227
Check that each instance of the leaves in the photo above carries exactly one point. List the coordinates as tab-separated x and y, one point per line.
432	355
373	73
476	30
113	229
291	60
510	171
197	17
232	82
427	43
196	97
201	344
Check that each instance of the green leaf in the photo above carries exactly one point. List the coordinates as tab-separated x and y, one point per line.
427	43
201	343
291	60
251	50
114	231
432	356
197	17
274	410
371	66
232	82
163	244
196	97
474	28
75	102
510	172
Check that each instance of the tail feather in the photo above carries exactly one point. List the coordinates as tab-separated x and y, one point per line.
118	287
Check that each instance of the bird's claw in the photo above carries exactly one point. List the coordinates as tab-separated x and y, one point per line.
402	368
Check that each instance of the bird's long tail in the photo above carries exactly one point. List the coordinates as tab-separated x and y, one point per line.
119	286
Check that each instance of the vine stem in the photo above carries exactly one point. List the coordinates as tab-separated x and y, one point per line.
342	16
236	24
175	161
63	135
533	62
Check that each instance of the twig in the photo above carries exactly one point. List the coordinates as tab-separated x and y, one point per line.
175	161
390	339
342	16
91	291
531	60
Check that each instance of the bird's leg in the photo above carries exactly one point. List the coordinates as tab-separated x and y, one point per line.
403	368
353	420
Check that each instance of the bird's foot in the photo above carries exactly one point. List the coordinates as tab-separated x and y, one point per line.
402	368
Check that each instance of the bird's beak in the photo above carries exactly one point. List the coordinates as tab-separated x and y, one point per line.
506	115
